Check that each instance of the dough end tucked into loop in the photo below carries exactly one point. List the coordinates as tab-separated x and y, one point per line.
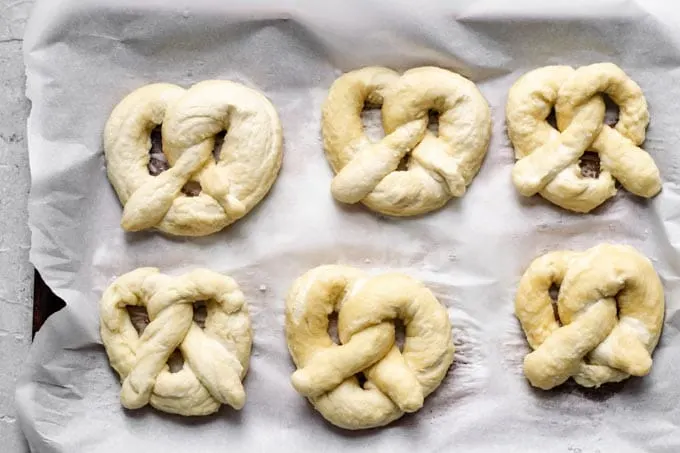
215	357
610	310
397	381
411	171
548	159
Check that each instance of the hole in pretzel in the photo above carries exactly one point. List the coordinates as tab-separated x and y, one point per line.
361	378
192	189
139	317
176	361
551	118
200	313
333	327
433	122
157	161
371	118
399	333
554	292
219	141
611	114
590	164
403	163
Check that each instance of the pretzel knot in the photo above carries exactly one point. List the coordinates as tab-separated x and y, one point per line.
438	167
396	381
215	358
548	159
247	165
584	339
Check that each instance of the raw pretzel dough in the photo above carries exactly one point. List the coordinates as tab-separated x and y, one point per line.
216	358
588	342
397	382
247	166
548	160
438	168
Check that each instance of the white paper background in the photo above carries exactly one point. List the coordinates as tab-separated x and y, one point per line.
83	56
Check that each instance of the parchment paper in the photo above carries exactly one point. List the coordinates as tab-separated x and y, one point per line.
83	56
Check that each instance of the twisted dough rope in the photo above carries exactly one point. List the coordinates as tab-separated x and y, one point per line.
248	163
588	342
548	159
397	382
216	358
439	167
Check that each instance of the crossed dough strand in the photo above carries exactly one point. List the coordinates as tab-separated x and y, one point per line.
216	358
396	381
587	341
548	158
438	168
249	160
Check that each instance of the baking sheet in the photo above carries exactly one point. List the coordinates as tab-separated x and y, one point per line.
83	56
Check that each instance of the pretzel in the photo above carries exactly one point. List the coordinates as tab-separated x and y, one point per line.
216	359
548	159
396	382
245	170
584	339
438	167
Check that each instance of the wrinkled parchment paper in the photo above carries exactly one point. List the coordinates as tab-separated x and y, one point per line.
83	56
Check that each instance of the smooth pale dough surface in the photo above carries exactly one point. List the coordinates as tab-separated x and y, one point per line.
215	358
247	165
589	342
548	159
438	168
396	381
